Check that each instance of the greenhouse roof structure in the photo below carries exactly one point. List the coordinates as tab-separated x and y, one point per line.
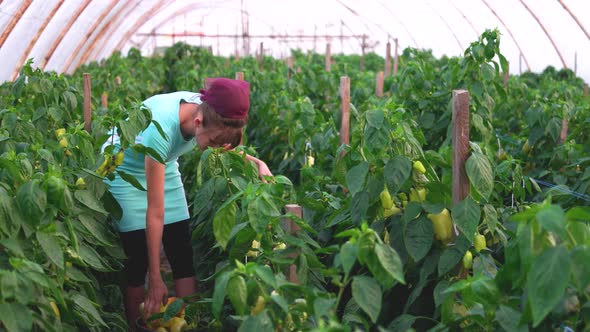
61	35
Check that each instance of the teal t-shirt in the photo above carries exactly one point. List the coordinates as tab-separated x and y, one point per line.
164	108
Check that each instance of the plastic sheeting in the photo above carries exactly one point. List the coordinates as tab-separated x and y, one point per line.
62	34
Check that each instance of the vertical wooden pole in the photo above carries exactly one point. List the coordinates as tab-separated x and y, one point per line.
104	100
261	56
292	228
395	59
460	125
379	85
506	76
240	75
328	57
563	134
363	47
388	59
585	89
460	135
87	97
345	110
290	66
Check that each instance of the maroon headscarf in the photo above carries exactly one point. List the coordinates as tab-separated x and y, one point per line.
229	98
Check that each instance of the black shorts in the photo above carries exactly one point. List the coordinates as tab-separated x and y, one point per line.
177	245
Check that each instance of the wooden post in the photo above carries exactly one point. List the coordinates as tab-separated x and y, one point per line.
328	57
563	134
240	75
261	56
87	96
388	59
379	85
395	59
104	100
290	66
460	125
363	46
585	89
345	110
506	75
292	228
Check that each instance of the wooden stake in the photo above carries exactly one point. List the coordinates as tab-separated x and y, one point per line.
363	46
395	59
240	76
345	110
261	56
292	228
290	66
328	57
379	85
563	135
87	96
506	75
104	100
388	59
460	125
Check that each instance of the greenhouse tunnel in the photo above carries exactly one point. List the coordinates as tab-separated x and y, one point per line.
294	165
62	35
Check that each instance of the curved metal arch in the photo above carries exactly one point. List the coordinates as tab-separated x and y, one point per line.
402	24
62	33
101	35
362	18
88	34
355	13
190	7
461	48
510	33
546	32
15	18
139	23
574	18
33	41
181	10
464	17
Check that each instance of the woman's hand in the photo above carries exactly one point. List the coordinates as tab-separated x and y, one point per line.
156	296
263	170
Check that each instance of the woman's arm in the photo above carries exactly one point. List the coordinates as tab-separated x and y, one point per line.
157	291
263	169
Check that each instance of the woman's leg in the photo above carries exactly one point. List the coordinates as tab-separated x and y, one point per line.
136	265
179	251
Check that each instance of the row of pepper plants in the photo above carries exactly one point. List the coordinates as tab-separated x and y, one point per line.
374	251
